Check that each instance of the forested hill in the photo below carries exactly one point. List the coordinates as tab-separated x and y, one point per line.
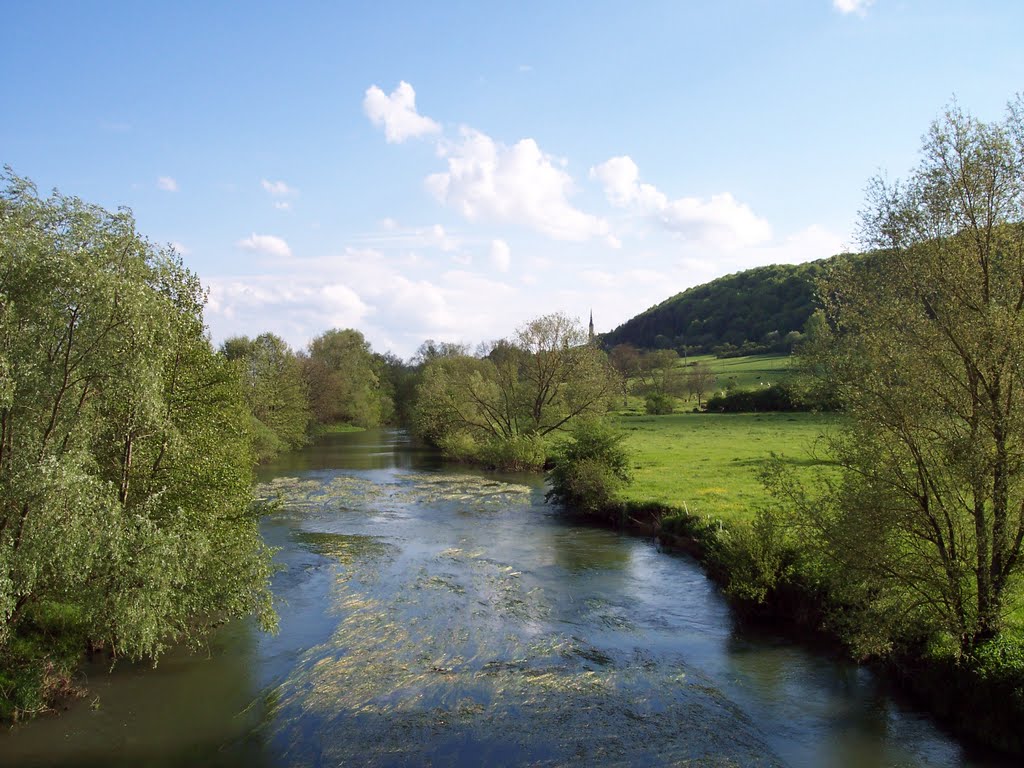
757	307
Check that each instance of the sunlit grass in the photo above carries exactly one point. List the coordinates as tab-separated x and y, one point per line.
709	463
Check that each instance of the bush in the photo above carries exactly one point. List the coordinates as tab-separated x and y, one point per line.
590	468
659	404
521	453
755	557
777	397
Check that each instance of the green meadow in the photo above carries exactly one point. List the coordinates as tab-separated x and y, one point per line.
708	463
746	372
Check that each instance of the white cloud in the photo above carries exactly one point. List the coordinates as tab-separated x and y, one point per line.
269	245
180	248
366	289
521	184
620	178
846	7
437	237
501	255
167	184
397	113
721	221
278	188
282	205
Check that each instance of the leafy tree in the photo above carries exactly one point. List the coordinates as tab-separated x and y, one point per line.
922	346
343	380
274	390
125	469
525	389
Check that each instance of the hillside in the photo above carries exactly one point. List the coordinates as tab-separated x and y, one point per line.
744	307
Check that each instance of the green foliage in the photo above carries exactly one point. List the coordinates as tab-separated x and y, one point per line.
343	379
125	468
755	556
921	343
745	313
777	397
658	404
499	409
275	392
590	468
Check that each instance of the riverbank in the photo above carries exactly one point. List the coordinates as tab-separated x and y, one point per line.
697	490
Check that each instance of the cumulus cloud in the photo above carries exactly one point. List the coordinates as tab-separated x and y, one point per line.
846	7
721	220
366	289
501	255
268	245
488	180
397	113
167	184
620	178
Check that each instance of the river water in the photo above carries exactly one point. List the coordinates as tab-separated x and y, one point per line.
433	615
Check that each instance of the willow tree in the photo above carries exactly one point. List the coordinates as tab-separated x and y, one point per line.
524	389
125	469
275	391
925	355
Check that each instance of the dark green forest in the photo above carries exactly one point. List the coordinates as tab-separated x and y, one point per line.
749	312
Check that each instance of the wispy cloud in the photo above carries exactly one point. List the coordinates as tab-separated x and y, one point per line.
846	7
278	188
167	184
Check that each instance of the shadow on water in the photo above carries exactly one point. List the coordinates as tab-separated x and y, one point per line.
433	614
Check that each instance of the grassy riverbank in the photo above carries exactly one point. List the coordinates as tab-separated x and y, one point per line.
698	473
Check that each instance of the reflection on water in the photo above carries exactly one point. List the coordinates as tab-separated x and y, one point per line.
439	615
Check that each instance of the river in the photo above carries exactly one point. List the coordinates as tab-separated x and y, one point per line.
435	615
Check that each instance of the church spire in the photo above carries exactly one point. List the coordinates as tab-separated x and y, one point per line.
591	335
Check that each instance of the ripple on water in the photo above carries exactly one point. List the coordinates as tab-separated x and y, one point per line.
450	655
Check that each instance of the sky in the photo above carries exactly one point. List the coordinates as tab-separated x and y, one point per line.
451	170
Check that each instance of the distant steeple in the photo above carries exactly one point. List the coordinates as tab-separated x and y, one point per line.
591	335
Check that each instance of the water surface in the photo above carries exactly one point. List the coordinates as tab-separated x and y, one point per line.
433	615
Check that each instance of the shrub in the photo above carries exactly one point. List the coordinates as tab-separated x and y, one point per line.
777	397
590	468
658	404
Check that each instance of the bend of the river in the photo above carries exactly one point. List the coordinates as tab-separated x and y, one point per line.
435	615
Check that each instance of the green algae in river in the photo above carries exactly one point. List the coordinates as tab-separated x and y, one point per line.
355	493
345	548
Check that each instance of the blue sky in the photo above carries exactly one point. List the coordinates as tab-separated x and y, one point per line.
450	170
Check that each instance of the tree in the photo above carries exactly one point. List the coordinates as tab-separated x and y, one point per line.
341	374
274	390
125	469
525	389
923	349
625	359
700	379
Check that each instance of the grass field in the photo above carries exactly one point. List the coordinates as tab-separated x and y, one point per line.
746	372
709	462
